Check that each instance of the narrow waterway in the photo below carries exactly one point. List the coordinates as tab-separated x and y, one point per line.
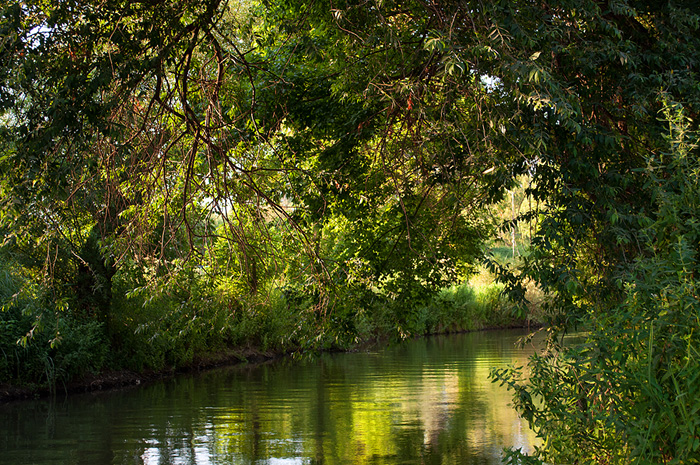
425	401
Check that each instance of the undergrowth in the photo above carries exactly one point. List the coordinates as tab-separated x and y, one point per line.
171	323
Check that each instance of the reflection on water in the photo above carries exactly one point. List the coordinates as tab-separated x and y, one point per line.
426	401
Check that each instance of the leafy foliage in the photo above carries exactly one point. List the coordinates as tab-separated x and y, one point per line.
630	391
187	176
42	341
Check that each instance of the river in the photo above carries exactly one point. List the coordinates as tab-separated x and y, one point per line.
423	401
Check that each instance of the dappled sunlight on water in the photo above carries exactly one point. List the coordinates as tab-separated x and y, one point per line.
426	401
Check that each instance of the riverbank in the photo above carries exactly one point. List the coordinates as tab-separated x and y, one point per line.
145	342
123	379
119	379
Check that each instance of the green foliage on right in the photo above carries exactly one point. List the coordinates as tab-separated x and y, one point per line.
631	392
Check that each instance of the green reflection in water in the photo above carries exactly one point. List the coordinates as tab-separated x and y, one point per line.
426	401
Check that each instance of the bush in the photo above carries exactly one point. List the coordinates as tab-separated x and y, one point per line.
40	342
631	393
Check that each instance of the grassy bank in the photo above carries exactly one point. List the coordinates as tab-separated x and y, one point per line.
45	348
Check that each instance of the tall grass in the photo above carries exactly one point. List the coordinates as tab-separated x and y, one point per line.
472	305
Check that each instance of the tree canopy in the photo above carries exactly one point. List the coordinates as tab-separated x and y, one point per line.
343	153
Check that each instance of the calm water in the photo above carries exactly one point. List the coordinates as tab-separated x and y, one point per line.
427	401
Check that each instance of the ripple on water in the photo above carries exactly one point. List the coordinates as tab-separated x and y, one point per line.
426	400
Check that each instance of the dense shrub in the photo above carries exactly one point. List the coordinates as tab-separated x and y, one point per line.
631	392
40	342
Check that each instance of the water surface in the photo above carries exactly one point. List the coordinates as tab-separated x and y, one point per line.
425	401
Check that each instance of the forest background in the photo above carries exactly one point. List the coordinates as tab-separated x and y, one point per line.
183	178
